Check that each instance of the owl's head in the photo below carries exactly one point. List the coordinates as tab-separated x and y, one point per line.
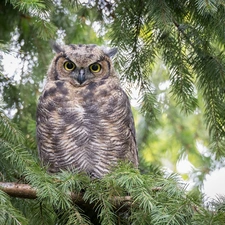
81	64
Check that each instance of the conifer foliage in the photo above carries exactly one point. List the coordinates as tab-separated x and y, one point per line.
187	36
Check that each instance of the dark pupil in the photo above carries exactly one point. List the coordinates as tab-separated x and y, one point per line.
95	67
69	66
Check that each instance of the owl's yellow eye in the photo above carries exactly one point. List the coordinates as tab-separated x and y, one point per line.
95	68
68	65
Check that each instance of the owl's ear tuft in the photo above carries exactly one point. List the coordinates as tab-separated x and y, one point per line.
56	47
111	52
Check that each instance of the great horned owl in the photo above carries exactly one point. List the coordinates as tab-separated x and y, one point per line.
84	118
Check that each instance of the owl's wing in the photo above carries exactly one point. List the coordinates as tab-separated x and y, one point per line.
49	127
134	149
125	124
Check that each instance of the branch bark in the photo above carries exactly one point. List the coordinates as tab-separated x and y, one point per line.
18	190
26	191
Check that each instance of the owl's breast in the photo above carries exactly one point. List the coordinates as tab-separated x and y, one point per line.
89	127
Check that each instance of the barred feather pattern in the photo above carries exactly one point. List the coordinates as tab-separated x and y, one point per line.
85	127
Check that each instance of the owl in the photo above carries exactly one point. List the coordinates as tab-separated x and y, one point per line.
84	118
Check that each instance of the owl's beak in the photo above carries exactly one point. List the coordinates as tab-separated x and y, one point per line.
81	76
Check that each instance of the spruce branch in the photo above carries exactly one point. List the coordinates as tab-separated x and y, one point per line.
27	191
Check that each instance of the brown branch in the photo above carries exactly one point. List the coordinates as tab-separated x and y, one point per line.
18	190
26	191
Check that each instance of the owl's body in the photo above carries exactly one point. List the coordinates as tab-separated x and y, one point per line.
84	119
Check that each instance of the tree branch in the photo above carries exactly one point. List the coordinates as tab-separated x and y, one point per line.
18	190
26	191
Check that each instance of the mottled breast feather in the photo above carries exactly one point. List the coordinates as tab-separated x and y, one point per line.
85	128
